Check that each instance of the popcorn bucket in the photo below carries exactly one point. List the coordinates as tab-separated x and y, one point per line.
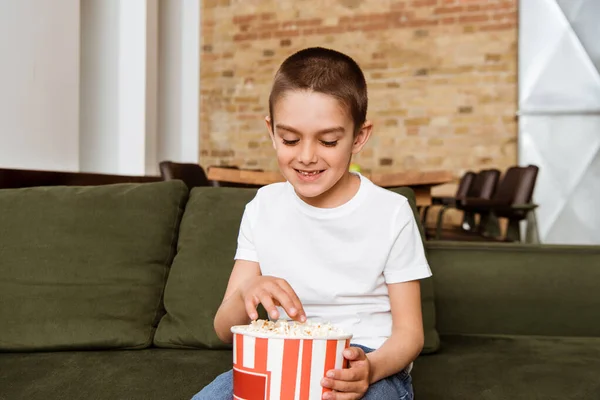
276	367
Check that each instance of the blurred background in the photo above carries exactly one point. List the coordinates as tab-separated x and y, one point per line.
117	86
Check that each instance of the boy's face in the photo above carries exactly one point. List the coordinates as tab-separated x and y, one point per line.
314	140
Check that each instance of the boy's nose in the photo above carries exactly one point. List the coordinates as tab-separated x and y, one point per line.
307	154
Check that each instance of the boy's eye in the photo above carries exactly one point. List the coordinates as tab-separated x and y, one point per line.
329	144
290	142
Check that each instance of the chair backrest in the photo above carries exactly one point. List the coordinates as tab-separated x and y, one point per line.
524	192
484	184
192	175
508	185
517	185
465	183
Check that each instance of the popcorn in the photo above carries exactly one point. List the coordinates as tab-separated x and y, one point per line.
282	327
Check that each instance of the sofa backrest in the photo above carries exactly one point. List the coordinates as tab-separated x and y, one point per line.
85	267
201	269
516	289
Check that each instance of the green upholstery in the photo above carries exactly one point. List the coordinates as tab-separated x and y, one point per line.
201	269
85	267
484	288
432	339
467	367
510	367
149	374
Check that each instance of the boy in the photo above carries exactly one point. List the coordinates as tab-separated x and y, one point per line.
328	244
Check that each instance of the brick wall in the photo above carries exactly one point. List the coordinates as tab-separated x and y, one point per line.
441	76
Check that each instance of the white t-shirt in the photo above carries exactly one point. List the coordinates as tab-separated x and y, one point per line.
338	260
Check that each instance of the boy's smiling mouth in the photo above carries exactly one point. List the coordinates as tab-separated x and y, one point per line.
309	175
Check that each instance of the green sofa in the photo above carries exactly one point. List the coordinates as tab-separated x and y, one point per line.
108	292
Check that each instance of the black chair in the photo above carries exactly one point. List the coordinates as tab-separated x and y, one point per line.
513	201
463	188
192	175
483	186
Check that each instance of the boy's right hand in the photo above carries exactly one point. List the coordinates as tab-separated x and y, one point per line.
271	292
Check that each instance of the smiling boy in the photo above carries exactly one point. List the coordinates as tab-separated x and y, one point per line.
328	244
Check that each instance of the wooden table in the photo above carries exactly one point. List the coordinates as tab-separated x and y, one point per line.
420	182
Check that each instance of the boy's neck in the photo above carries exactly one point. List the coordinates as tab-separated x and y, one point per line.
342	192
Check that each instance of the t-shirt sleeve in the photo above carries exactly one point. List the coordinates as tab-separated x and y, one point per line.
406	260
245	243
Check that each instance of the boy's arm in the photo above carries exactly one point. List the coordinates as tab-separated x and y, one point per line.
232	310
399	350
407	339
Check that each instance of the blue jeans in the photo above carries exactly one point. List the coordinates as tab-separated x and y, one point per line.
395	387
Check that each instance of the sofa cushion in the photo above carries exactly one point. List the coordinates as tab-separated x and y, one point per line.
510	367
201	269
85	267
198	278
149	374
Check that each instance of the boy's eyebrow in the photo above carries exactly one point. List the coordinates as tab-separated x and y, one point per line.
335	129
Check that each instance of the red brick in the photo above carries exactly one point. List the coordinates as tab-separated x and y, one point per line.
473	18
423	3
268	26
412	130
209	57
421	22
302	22
375	65
326	30
507	5
286	34
244	36
374	27
510	15
448	10
243	19
267	16
398	5
498	27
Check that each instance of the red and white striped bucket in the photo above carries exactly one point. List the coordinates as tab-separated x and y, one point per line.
267	367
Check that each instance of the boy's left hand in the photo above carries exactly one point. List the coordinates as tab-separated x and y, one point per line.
351	383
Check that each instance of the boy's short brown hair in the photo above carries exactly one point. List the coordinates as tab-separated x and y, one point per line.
324	71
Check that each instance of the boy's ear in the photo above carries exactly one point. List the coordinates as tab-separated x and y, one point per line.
362	137
270	129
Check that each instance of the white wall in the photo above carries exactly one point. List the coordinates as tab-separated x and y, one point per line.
140	84
99	122
179	81
118	94
39	84
99	85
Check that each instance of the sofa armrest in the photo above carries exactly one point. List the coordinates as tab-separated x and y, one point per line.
496	288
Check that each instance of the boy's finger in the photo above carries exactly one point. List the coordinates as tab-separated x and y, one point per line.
251	304
348	387
297	304
354	354
347	374
282	297
267	301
